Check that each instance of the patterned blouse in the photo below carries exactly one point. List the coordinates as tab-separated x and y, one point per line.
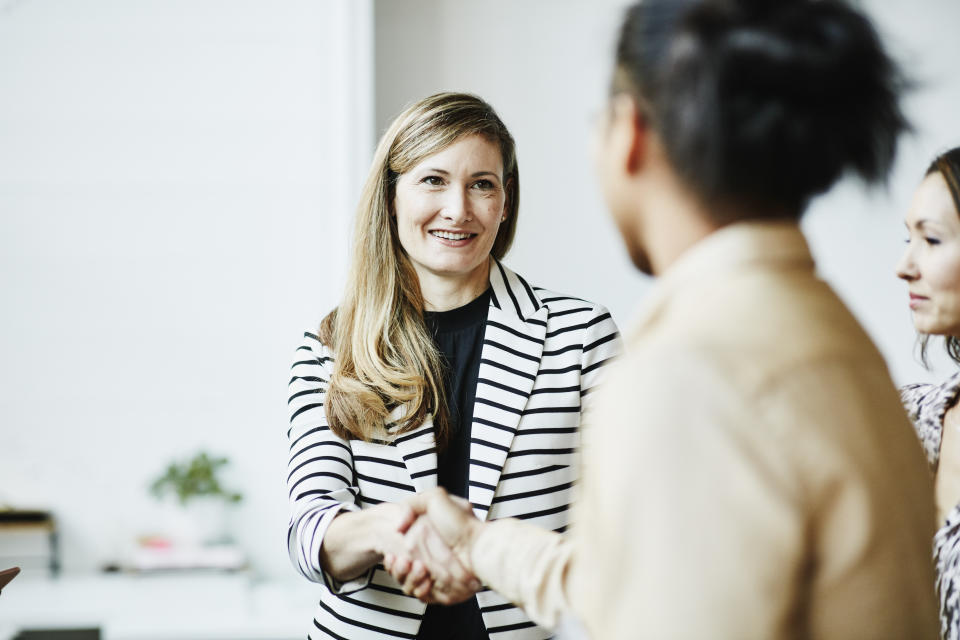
927	405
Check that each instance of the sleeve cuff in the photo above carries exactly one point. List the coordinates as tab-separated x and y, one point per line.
335	586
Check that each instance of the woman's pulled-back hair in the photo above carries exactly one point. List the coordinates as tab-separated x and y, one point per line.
384	355
762	104
947	164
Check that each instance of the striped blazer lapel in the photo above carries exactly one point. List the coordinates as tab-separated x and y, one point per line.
509	362
418	448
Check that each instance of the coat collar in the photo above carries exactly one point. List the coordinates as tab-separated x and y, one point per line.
516	325
511	293
742	245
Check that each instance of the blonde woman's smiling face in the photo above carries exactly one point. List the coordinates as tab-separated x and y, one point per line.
931	263
449	208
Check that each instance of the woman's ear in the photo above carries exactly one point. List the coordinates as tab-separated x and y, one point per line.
508	189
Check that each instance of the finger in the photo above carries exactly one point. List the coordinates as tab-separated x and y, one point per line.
449	597
425	545
443	564
419	501
423	589
417	574
388	559
406	517
420	590
457	591
401	568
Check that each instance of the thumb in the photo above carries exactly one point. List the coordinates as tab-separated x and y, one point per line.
419	502
408	516
448	517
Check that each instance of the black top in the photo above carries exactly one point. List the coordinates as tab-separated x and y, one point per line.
459	337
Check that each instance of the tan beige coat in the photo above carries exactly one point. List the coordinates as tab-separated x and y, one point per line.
748	472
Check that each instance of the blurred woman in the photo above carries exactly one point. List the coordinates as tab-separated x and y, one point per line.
750	472
440	366
931	268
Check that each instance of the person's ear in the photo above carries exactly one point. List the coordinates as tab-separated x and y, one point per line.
629	131
506	199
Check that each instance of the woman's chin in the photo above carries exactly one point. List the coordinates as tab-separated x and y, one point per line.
455	269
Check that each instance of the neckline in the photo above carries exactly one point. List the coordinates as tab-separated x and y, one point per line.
470	314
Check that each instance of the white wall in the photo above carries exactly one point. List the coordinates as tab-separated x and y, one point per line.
176	179
176	183
544	65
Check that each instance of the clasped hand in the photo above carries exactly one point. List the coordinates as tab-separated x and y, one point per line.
432	559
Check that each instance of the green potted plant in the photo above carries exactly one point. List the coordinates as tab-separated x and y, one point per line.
201	497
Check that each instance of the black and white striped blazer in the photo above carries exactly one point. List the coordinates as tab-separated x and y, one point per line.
542	355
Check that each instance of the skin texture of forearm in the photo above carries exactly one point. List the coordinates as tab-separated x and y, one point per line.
527	565
356	541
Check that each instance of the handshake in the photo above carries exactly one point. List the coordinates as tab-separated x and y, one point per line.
428	550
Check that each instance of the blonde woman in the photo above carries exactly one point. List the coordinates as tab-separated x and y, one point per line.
440	367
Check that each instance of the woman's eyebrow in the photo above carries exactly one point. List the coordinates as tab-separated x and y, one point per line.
475	174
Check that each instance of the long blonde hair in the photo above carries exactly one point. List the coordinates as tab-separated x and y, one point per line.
385	356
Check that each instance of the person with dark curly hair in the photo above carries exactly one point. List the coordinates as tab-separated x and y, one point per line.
748	471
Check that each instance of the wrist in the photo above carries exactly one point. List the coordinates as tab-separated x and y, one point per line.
383	527
373	526
472	530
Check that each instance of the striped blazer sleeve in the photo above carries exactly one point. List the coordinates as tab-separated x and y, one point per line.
321	481
601	344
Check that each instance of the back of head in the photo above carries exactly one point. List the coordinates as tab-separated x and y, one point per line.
762	104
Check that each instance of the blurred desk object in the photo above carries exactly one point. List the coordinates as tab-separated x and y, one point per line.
29	539
184	605
225	557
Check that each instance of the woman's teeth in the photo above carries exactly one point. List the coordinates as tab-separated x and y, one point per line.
447	235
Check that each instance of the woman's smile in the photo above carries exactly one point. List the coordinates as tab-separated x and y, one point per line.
452	238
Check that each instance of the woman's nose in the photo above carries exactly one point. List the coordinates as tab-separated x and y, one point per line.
906	267
457	206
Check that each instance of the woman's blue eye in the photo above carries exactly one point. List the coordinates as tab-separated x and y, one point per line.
931	241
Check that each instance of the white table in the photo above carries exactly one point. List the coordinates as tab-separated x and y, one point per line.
172	606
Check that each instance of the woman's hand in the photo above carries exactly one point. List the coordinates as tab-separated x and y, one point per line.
358	540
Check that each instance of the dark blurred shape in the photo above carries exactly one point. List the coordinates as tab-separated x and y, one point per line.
7	575
763	105
59	634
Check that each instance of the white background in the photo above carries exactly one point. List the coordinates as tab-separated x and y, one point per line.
176	184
